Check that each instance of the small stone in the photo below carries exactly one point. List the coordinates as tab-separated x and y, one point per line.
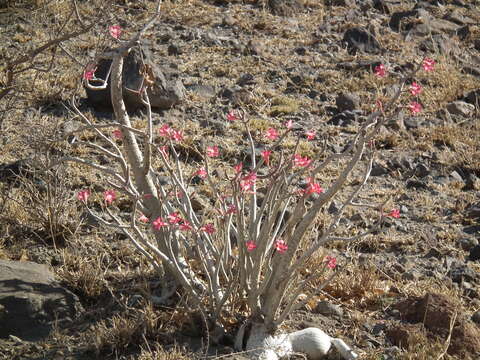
403	20
461	108
467	243
410	275
456	176
473	211
173	49
476	317
473	97
412	122
347	101
422	170
474	253
358	39
328	309
378	328
378	170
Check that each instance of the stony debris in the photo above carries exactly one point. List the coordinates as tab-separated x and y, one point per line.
165	89
32	301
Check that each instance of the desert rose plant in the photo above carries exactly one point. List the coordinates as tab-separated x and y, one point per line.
263	225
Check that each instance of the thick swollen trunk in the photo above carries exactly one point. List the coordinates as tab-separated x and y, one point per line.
312	342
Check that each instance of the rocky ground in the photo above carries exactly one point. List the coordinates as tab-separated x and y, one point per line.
410	292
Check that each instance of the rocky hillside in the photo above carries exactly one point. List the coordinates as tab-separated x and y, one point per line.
409	292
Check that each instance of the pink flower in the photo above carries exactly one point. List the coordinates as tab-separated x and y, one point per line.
331	262
212	151
238	168
250	245
289	124
115	31
231	116
164	151
380	70
117	134
201	173
143	219
185	226
281	246
109	196
88	74
248	181
164	130
231	209
266	156
428	64
83	195
313	187
158	223
415	89
395	213
310	134
147	196
271	134
415	107
174	218
208	228
176	135
300	161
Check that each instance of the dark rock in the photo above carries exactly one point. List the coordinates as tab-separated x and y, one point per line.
476	44
284	7
472	230
460	108
328	309
403	20
384	6
333	207
456	17
378	170
467	243
204	91
471	70
32	300
358	39
460	273
476	317
300	51
166	90
473	97
474	253
23	168
473	211
422	170
463	32
173	49
472	182
431	26
344	118
347	101
416	184
412	122
246	79
440	43
226	93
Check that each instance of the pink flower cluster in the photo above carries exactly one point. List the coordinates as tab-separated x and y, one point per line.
168	132
415	88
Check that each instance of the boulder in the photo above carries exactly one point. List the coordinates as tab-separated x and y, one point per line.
31	301
165	91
